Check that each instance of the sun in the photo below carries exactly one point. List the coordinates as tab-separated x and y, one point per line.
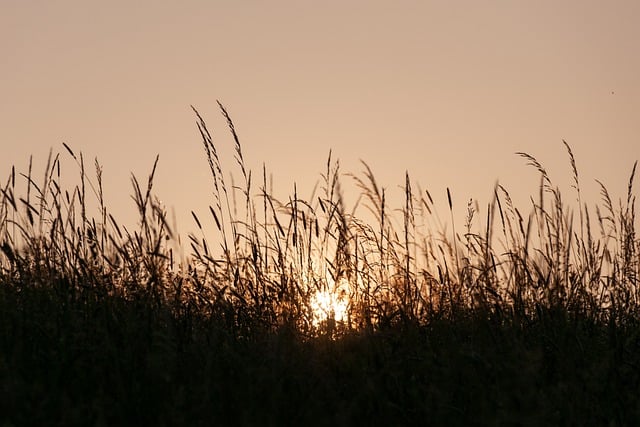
330	305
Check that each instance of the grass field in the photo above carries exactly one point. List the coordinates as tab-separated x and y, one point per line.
300	312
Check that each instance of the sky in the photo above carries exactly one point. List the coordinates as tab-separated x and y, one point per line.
447	91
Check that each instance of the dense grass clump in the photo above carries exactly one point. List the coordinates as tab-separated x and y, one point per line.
306	312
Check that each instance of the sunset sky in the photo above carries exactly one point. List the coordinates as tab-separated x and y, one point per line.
446	90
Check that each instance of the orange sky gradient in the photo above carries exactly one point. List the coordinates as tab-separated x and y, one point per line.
445	90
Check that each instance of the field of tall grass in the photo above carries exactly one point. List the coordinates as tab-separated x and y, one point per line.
305	312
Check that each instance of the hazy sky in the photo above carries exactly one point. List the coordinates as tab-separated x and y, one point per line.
448	90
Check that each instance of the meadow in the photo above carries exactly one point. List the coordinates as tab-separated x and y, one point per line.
304	312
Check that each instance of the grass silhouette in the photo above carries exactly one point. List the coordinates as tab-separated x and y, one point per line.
525	318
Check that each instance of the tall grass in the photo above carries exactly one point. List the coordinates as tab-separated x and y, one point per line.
274	255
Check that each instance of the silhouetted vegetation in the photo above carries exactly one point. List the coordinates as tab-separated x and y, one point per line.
514	318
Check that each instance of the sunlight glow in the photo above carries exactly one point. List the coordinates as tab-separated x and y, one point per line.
326	305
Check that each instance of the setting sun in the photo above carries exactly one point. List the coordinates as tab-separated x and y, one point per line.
327	305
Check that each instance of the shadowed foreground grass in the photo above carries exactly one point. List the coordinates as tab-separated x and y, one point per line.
532	320
85	361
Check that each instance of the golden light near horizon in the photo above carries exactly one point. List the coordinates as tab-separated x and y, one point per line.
330	305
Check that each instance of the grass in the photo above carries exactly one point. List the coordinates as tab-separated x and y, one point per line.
513	318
